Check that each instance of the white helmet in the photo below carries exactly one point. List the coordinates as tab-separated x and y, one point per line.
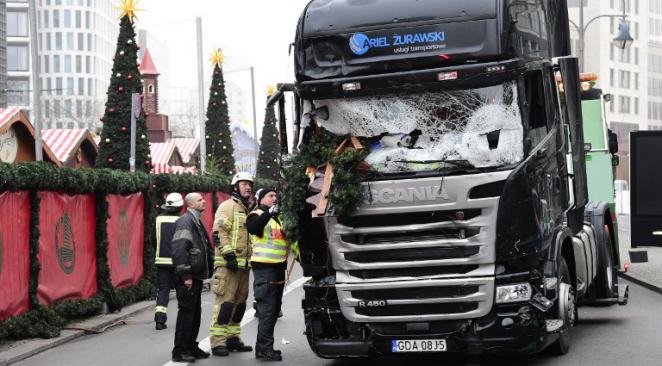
242	176
174	200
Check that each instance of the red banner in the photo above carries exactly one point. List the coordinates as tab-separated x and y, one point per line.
14	254
126	230
67	248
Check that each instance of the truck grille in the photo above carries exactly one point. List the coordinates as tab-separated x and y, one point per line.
441	299
430	258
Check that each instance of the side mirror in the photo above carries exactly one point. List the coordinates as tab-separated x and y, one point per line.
613	142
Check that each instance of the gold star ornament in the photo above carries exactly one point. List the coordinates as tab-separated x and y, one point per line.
271	89
217	58
129	9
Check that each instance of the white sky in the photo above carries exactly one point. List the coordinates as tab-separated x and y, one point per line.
250	32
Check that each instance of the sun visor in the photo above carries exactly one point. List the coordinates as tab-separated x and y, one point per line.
400	49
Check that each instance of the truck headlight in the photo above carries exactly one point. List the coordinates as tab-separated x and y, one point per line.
513	293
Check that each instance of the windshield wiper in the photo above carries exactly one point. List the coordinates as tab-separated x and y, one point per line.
457	163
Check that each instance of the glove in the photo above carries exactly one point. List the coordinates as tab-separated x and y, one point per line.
231	261
274	210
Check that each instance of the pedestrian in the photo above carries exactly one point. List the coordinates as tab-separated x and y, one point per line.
269	263
191	256
165	272
231	272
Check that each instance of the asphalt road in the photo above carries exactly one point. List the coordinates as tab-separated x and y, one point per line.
613	335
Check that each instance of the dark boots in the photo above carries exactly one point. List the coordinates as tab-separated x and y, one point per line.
221	351
269	355
236	345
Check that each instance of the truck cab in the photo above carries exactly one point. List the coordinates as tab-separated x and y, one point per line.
476	233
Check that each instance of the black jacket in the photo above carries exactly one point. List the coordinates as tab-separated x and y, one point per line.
191	249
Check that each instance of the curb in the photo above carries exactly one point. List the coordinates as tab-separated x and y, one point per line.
97	323
641	282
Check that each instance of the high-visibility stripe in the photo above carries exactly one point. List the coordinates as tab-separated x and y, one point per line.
234	330
162	260
272	247
221	262
161	309
220	332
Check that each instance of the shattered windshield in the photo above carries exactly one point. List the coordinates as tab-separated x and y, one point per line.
481	128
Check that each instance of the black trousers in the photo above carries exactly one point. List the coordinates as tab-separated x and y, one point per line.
188	318
268	285
165	280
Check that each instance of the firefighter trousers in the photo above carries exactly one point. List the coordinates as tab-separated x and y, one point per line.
230	292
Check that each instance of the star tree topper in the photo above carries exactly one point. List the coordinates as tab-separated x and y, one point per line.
217	58
271	89
129	9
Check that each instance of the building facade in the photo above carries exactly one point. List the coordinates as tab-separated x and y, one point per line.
17	55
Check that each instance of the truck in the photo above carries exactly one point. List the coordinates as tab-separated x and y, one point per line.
477	232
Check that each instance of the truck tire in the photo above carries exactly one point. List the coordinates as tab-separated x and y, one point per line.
606	277
567	308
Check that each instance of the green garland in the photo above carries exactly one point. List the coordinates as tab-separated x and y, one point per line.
346	191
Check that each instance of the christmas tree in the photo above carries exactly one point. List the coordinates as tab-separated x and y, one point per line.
218	138
115	144
267	164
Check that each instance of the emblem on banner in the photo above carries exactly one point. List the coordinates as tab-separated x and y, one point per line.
123	237
65	248
1	255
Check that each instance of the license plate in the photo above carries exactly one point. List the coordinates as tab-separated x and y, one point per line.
418	345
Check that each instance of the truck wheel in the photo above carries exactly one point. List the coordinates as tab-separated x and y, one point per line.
567	309
606	276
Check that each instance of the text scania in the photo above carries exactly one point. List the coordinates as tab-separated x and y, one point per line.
393	195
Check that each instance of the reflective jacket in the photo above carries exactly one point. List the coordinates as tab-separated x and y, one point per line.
165	229
230	224
271	247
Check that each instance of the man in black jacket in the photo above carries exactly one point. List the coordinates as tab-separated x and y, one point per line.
193	261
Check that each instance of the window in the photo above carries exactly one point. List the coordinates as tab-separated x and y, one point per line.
611	53
47	64
17	58
150	88
48	41
89	87
56	18
58	41
67	18
79	108
636	81
18	92
89	42
49	86
636	105
70	41
87	19
636	55
47	109
81	86
47	19
79	64
17	24
87	65
78	19
58	86
67	64
81	42
611	77
88	108
624	104
68	108
70	86
56	111
56	63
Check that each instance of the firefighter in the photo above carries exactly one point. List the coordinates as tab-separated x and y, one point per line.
231	267
165	272
269	263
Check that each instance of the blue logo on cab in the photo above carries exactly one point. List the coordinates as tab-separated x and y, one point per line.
360	43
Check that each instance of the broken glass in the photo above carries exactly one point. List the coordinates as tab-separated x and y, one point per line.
414	132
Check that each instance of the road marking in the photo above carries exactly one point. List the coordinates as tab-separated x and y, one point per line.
249	316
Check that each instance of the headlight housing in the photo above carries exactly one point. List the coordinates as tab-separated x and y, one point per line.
513	293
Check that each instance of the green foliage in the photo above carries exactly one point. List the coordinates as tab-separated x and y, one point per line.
115	144
315	153
218	137
346	192
268	161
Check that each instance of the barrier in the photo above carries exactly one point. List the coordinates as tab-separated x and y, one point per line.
125	228
67	247
14	254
